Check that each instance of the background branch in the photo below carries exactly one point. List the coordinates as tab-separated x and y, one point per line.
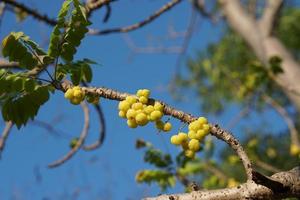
80	141
5	134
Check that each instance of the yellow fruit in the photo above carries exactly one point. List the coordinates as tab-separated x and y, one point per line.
232	183
182	137
75	101
175	140
149	109
137	106
122	114
69	94
200	134
192	134
195	125
194	145
139	93
143	100
167	127
76	88
202	120
131	99
146	93
141	119
155	115
294	150
206	128
158	106
159	125
189	154
131	114
78	94
124	105
131	123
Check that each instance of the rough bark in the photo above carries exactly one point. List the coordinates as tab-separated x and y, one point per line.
288	185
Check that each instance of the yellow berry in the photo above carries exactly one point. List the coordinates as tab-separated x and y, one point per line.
294	150
143	100
195	125
131	123
189	154
149	109
75	101
139	93
76	88
159	125
167	127
78	94
69	93
141	119
124	105
122	114
194	145
155	115
158	106
206	128
146	93
131	114
131	99
192	134
200	134
182	137
202	120
137	106
175	140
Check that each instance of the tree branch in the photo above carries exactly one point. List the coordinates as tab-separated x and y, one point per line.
5	135
80	141
289	180
33	12
140	24
215	130
101	138
268	19
285	115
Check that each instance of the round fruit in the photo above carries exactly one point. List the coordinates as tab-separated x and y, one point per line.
132	123
175	140
167	127
141	119
137	106
158	106
124	105
122	114
182	137
131	114
69	94
149	109
155	115
143	100
194	145
131	99
189	154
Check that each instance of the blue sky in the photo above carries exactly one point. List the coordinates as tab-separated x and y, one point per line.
106	173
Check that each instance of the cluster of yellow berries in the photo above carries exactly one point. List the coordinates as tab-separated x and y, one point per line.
76	95
190	142
138	113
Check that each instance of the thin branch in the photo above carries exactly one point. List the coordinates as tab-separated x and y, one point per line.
5	135
92	5
278	186
80	141
33	12
102	129
140	24
268	19
266	166
285	115
9	65
184	117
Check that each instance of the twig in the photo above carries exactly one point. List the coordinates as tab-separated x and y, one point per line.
80	141
5	135
285	115
101	138
140	24
266	166
34	13
184	117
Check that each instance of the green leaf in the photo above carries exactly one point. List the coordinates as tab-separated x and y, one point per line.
87	73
